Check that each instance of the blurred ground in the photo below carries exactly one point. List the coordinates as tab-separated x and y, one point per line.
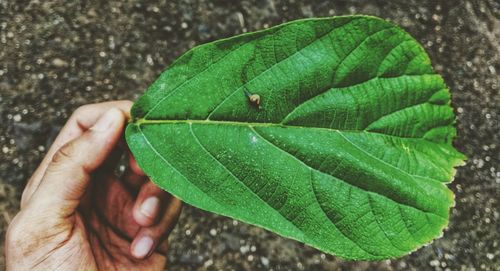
55	57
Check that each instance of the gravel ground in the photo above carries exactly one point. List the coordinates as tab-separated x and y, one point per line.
55	57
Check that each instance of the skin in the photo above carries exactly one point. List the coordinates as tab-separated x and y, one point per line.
77	214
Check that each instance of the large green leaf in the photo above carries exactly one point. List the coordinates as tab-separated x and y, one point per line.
349	150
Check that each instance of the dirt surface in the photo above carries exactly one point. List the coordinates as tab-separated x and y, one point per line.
55	57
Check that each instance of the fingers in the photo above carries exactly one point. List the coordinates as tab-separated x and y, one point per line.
68	174
80	121
148	209
148	204
149	239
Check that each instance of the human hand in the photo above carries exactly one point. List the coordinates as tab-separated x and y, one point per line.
77	214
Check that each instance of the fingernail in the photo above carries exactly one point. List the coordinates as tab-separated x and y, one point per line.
142	247
150	206
105	121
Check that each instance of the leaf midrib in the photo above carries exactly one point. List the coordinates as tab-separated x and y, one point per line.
143	121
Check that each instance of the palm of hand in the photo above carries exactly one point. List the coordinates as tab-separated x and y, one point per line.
106	224
101	231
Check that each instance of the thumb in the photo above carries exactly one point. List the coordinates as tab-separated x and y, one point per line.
68	174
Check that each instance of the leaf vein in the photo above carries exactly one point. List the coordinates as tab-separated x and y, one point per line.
189	80
236	178
270	68
380	160
380	226
331	221
299	160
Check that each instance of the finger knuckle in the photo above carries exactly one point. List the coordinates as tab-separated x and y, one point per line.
65	153
80	110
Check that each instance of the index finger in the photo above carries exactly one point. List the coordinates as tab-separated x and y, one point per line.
81	120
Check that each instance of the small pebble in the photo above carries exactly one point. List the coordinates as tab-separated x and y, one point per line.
59	63
213	232
208	263
244	249
264	261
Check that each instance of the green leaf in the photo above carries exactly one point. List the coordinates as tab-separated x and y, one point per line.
349	150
